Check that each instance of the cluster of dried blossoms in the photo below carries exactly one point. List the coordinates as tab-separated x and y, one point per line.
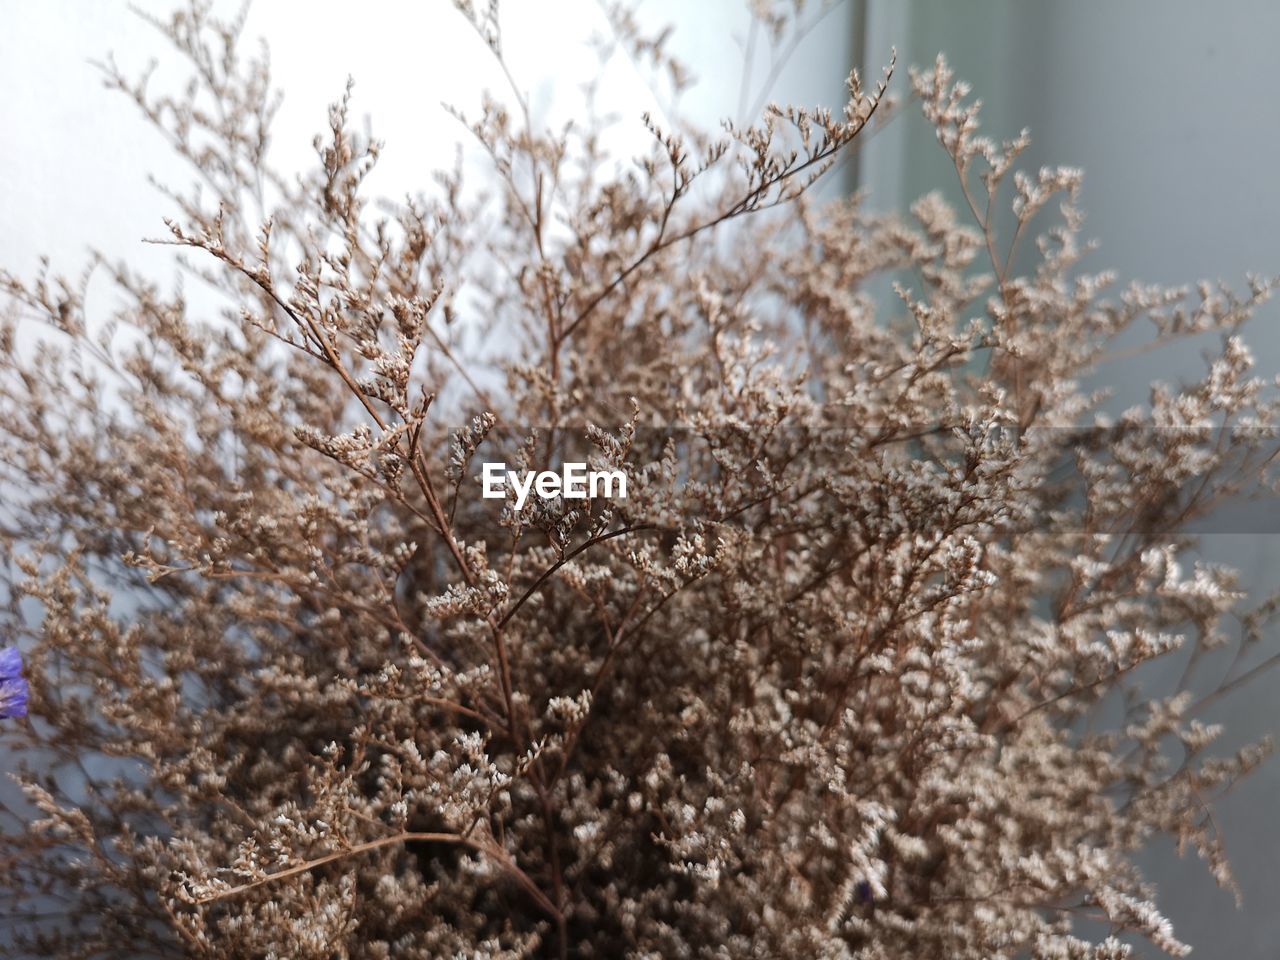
848	674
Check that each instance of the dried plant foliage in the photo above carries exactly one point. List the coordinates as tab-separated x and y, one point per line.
850	673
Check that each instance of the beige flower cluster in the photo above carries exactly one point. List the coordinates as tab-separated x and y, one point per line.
855	670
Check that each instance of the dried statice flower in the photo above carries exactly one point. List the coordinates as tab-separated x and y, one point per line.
13	686
859	668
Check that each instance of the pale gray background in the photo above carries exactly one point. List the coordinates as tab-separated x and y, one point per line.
1171	108
1169	105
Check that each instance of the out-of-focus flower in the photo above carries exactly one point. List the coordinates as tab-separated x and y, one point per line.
13	686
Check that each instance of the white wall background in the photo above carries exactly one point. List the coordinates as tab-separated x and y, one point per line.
74	157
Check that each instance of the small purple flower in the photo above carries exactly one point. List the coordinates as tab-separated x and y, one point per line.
13	686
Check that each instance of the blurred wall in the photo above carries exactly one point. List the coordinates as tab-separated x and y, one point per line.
74	158
1171	108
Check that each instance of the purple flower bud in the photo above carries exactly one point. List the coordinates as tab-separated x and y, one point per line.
13	686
